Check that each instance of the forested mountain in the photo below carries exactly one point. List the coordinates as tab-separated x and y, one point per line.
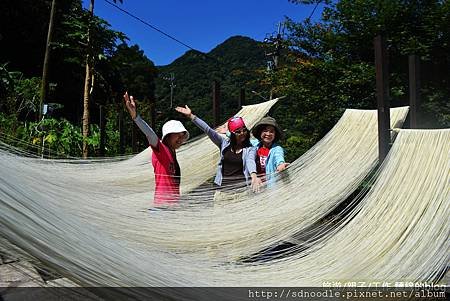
235	64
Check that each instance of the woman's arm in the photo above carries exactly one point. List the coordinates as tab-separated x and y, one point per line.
250	162
279	159
212	134
143	126
147	130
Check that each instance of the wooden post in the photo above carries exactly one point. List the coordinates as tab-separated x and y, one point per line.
382	88
134	137
414	89
102	131
44	83
241	101
153	112
216	103
121	133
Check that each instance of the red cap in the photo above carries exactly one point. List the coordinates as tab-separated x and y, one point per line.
235	123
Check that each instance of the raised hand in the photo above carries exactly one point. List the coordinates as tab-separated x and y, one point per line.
256	183
186	111
130	104
223	129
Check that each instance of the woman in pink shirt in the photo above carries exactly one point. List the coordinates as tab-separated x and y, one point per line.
164	159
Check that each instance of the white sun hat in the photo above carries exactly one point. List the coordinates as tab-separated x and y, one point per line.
174	126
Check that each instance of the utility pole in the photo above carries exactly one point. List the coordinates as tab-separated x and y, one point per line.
171	78
275	44
46	60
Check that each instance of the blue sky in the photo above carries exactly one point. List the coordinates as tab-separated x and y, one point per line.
199	23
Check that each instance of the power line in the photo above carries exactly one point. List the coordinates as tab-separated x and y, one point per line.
216	60
162	32
151	26
312	13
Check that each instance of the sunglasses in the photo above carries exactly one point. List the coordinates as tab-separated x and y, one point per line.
240	131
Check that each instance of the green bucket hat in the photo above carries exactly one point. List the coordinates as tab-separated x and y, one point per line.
257	129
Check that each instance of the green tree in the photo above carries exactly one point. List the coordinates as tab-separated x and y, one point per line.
330	65
23	27
92	44
128	69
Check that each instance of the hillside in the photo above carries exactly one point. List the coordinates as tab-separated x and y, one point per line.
233	63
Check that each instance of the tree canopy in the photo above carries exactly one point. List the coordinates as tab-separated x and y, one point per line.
325	66
329	64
